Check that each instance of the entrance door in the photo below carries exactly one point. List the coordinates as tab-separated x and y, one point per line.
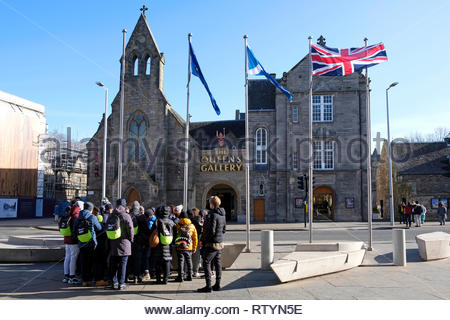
259	209
323	203
227	198
133	195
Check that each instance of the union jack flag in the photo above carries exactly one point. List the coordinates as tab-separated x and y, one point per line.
341	62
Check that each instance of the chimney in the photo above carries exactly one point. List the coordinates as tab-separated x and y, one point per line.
237	115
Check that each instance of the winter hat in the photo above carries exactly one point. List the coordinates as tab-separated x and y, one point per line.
150	212
178	208
88	206
79	204
108	206
121	202
135	204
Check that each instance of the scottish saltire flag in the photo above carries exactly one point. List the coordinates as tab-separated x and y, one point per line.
196	71
340	62
255	68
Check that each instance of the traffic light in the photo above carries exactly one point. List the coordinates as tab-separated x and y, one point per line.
301	182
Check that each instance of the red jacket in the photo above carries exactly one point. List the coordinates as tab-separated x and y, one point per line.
74	211
408	209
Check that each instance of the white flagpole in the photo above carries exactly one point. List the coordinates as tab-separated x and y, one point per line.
247	154
122	101
311	155
186	153
368	160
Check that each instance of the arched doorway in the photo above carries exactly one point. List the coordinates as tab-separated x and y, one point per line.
323	203
133	195
227	197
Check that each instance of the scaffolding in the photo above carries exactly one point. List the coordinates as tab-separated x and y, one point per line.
65	174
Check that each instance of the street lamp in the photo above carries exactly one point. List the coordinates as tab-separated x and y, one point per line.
391	188
105	137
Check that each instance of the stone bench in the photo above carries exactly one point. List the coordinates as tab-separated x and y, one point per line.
433	245
10	253
230	253
314	259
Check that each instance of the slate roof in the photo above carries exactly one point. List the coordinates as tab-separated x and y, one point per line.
261	95
205	133
430	158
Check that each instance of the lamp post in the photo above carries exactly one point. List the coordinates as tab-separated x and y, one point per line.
391	188
105	137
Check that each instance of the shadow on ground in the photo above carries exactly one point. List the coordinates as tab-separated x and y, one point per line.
412	256
254	279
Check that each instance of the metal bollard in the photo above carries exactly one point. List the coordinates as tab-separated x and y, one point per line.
399	247
266	249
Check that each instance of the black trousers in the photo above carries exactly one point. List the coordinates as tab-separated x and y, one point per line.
86	262
162	269
408	219
212	257
99	259
184	256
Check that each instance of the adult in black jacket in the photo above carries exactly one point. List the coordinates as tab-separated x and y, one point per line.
162	252
213	229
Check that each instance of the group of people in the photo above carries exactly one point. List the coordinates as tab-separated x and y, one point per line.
111	246
414	211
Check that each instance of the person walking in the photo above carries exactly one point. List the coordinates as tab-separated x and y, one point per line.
213	230
185	244
71	246
85	229
402	212
120	245
442	213
424	212
417	214
162	254
408	215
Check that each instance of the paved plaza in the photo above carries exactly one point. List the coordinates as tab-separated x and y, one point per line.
377	278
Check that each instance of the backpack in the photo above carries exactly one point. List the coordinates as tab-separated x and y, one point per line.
165	236
135	224
113	231
184	239
84	231
64	226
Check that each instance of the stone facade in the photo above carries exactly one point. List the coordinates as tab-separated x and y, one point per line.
217	148
420	172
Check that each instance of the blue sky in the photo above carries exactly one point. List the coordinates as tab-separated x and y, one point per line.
53	52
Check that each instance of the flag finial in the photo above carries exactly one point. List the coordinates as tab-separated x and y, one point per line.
321	41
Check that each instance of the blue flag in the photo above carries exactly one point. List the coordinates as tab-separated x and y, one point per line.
196	71
255	68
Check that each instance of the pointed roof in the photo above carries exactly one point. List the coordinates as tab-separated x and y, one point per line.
142	29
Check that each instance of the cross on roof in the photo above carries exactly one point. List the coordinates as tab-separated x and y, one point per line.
321	41
143	9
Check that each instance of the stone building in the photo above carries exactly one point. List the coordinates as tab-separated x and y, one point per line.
154	144
420	172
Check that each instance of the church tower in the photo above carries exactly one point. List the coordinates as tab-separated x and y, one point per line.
149	153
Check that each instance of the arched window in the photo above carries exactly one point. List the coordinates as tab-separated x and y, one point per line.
137	132
147	66
261	146
136	66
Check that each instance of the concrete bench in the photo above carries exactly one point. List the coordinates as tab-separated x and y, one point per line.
433	245
230	253
30	253
309	260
